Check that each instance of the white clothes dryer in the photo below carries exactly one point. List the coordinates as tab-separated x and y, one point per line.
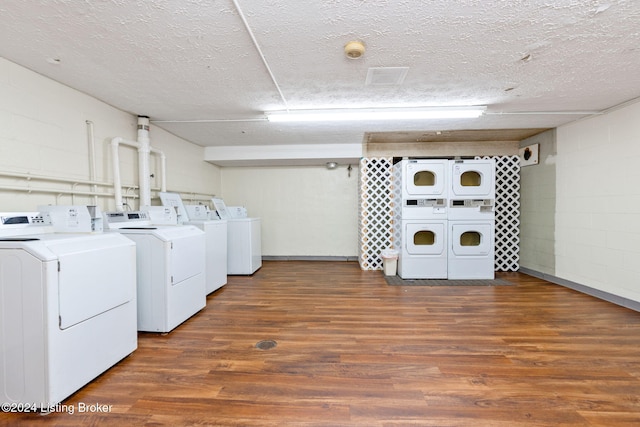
170	269
424	177
472	189
68	305
423	249
471	250
424	187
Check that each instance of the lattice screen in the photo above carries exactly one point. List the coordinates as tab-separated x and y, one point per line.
507	249
376	216
376	212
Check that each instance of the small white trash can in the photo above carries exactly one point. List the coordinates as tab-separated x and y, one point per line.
390	261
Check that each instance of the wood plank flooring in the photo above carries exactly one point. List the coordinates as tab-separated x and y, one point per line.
353	351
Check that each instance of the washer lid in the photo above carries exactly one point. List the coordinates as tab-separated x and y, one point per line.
94	276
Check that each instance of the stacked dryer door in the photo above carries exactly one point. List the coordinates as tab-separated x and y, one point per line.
421	212
471	216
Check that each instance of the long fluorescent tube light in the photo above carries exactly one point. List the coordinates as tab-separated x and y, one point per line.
330	115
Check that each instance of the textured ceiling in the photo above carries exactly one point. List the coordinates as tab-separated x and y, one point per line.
194	69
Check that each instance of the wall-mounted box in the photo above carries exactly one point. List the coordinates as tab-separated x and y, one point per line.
529	155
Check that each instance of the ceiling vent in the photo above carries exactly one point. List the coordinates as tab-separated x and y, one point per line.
386	76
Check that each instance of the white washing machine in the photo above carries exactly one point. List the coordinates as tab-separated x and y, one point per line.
216	233
472	189
424	187
244	243
244	254
68	307
471	250
423	249
215	237
170	269
420	209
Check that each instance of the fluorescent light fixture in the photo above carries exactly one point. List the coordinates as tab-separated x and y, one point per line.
330	115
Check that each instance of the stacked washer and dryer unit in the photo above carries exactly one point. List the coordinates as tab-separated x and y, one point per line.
445	211
471	215
421	214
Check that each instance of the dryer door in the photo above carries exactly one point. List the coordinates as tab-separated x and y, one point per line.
425	238
471	239
425	178
474	178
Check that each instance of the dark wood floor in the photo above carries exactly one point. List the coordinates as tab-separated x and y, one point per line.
353	351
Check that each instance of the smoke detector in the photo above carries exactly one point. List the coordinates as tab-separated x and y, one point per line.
354	49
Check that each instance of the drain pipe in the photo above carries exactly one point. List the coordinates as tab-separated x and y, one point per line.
144	149
117	183
92	159
144	178
163	168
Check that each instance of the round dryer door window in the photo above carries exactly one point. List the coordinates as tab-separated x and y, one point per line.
425	238
425	178
473	178
471	239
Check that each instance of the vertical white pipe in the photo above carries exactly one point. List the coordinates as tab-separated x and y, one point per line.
117	184
92	159
143	161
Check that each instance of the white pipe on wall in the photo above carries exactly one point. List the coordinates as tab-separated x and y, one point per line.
117	184
144	175
33	177
92	159
144	149
54	191
163	168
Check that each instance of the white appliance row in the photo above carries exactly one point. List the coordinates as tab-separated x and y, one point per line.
445	210
447	189
67	302
242	244
442	249
73	297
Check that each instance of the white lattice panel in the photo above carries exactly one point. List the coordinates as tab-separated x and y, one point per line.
375	211
377	202
507	247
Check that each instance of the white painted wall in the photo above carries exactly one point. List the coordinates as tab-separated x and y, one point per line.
538	206
43	131
305	211
598	202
